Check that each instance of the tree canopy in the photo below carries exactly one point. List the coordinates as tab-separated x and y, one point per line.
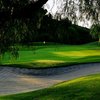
78	10
18	19
95	31
19	8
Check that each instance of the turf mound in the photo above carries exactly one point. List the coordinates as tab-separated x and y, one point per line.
84	88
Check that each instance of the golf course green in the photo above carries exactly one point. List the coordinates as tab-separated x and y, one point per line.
53	55
46	55
84	88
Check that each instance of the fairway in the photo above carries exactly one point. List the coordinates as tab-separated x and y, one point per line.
54	55
84	88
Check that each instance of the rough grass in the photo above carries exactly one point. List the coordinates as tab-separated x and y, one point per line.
84	88
51	55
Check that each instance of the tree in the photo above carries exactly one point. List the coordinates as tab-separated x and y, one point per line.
19	9
95	31
17	18
79	10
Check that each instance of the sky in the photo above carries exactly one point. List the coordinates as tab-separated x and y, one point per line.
51	6
54	6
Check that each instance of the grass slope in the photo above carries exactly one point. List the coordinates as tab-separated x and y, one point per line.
84	88
50	55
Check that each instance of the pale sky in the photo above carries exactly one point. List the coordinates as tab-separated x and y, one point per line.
53	6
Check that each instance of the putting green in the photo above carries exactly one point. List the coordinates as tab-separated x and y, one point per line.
79	54
42	56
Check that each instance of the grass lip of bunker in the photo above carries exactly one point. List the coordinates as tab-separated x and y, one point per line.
53	55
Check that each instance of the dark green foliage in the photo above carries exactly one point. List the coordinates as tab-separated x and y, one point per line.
81	35
62	31
18	21
19	8
95	31
88	9
24	22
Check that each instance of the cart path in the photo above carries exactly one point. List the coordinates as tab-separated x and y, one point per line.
17	80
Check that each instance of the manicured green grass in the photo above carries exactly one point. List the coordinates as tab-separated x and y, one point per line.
51	55
84	88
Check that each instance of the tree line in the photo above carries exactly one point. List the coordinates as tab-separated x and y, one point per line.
25	22
17	19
